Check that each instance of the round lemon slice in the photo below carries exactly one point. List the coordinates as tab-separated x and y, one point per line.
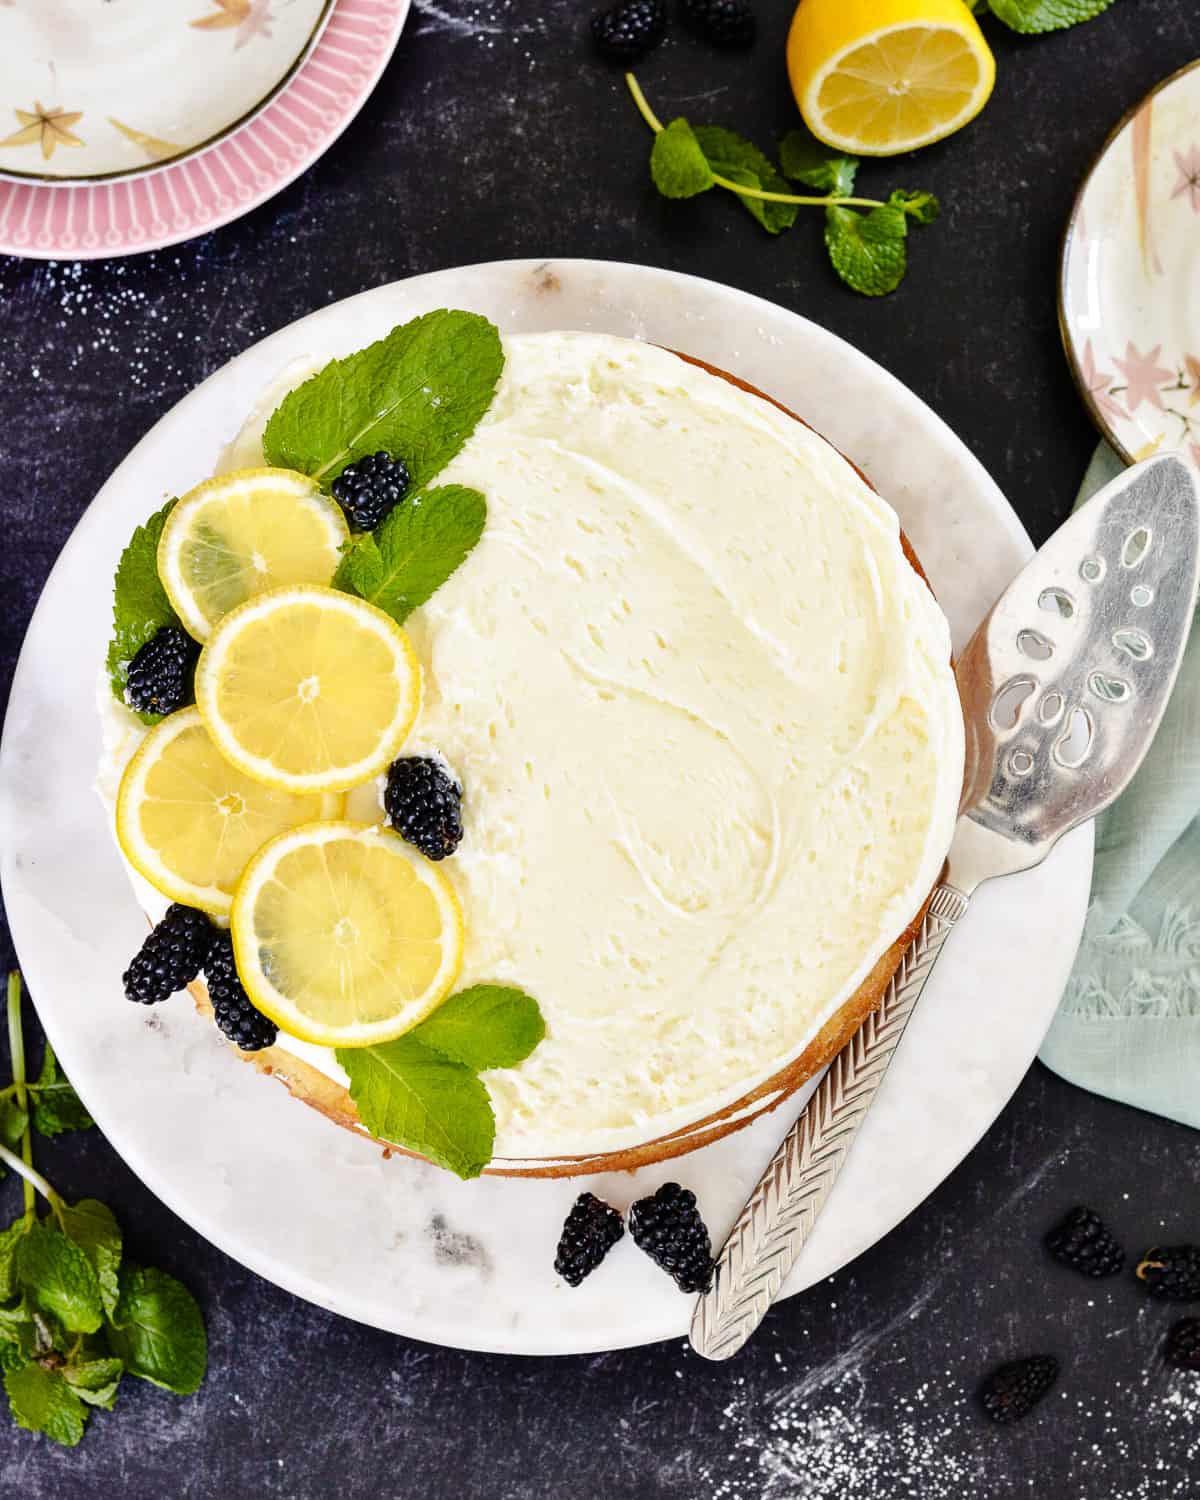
877	77
344	935
308	689
241	534
189	822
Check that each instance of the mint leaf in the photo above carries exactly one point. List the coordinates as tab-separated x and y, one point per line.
10	1238
140	603
414	550
405	1093
486	1026
867	250
56	1105
157	1331
922	208
1034	16
805	159
59	1278
731	155
677	162
94	1228
95	1381
42	1401
418	394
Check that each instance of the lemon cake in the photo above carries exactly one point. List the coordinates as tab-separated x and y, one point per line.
699	703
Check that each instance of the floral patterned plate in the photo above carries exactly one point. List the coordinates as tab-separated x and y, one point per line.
187	197
1129	296
108	88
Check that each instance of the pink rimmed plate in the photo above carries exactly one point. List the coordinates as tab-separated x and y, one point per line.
206	190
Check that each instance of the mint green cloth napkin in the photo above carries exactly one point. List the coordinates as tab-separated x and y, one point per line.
1129	1023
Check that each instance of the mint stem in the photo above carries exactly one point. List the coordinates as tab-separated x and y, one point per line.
803	200
16	1048
33	1179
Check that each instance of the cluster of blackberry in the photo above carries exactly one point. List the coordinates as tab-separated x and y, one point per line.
1082	1241
666	1225
631	28
183	944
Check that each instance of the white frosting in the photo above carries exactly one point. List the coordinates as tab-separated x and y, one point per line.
703	711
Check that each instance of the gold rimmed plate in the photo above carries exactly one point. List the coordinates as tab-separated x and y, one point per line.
1129	298
95	92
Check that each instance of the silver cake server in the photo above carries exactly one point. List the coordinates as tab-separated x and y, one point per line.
1063	687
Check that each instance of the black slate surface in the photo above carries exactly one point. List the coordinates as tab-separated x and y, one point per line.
491	135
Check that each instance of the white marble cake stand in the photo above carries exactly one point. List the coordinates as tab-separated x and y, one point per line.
394	1243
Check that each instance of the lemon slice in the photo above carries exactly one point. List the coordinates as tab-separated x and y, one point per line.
345	936
241	534
877	77
308	689
188	821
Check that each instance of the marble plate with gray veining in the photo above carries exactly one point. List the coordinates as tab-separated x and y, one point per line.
395	1243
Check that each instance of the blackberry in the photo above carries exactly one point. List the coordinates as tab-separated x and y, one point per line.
1172	1273
162	671
1011	1391
724	23
236	1015
668	1227
371	489
1182	1349
629	30
1083	1242
171	956
424	805
592	1228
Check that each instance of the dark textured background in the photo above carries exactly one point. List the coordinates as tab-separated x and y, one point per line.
491	135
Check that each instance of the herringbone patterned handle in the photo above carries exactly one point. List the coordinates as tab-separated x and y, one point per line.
772	1228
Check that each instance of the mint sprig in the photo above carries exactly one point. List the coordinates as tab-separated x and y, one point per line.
422	1091
413	550
868	251
419	394
75	1317
1032	17
140	603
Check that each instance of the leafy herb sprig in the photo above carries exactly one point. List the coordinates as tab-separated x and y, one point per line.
75	1315
867	250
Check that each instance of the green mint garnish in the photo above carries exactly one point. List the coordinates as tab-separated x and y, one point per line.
805	159
410	1095
59	1279
677	164
1034	16
140	603
75	1318
41	1401
56	1105
157	1331
421	1091
737	160
866	250
487	1026
413	550
418	394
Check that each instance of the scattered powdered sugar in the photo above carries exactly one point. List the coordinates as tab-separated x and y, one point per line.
807	1437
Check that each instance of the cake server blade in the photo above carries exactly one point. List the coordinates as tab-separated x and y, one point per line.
1063	687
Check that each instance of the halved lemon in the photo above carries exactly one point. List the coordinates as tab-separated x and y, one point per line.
189	822
241	534
877	77
308	689
344	935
